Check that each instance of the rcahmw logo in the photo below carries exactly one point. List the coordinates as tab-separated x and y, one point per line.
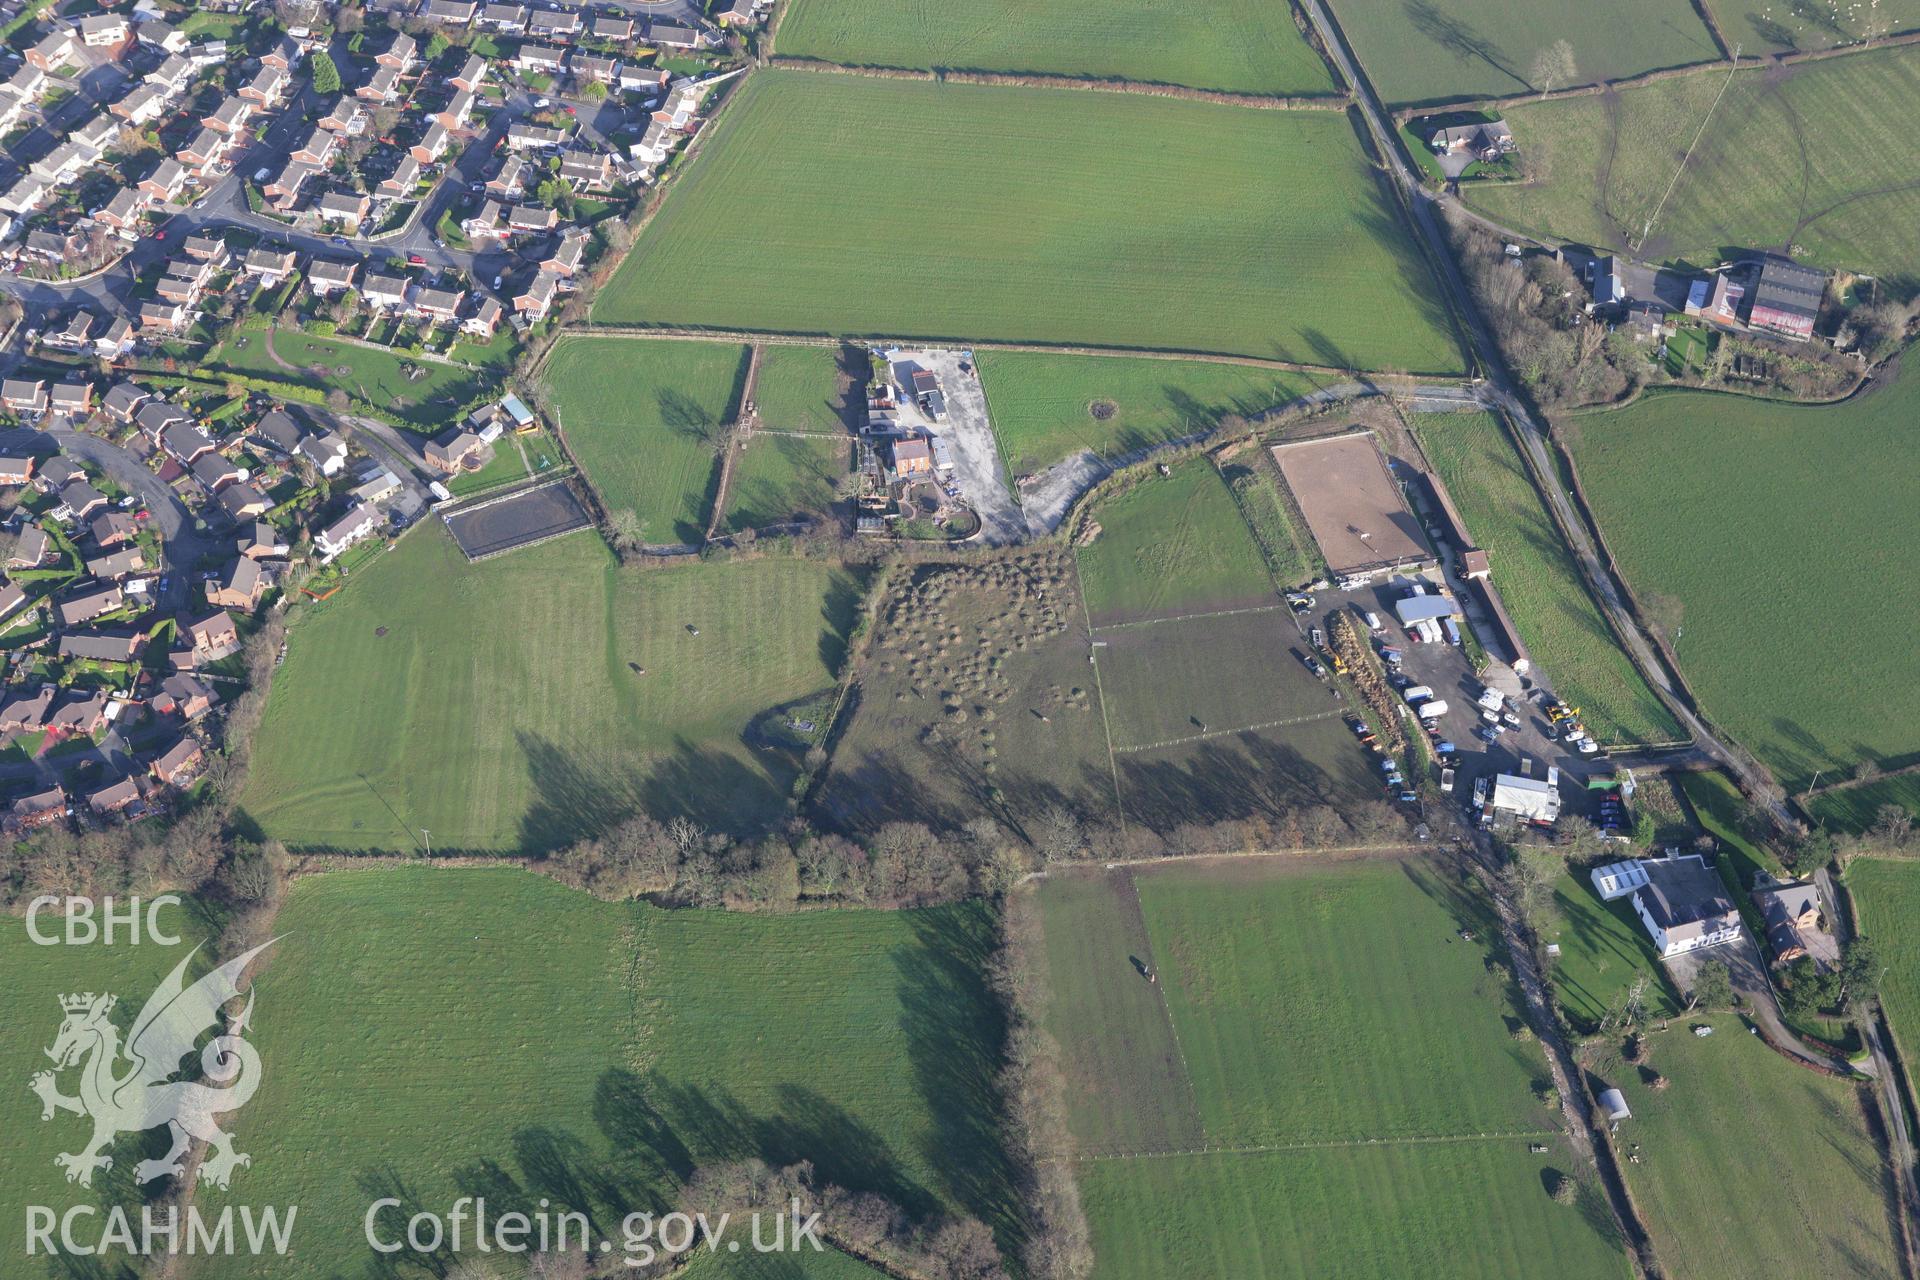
124	1083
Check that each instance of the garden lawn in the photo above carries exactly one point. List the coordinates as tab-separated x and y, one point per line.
428	404
1244	232
1539	580
36	978
1043	405
799	389
1781	539
645	418
1456	50
1239	46
502	705
1172	545
1603	949
531	1042
1808	156
505	467
1713	1146
776	478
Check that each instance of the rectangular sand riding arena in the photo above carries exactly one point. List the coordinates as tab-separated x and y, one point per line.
517	520
1352	504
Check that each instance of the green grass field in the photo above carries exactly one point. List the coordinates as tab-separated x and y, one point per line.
1855	808
1443	1211
1240	46
1172	545
1043	405
799	389
1805	156
1734	1117
644	418
1886	902
1170	680
529	1042
1346	1052
1005	209
1455	50
779	477
37	976
425	404
1539	581
806	1265
498	706
1728	516
1789	27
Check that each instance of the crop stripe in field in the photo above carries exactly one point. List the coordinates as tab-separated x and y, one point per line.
1222	733
1166	1010
1188	617
1106	726
1328	1144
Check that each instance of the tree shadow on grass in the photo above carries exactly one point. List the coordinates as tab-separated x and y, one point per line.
576	797
956	1034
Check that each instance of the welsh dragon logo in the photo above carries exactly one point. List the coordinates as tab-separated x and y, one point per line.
128	1088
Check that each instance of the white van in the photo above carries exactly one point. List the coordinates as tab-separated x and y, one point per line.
1418	693
1373	621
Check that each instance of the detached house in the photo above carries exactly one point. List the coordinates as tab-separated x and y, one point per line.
74	399
53	52
244	501
175	767
432	144
327	278
1679	900
104	31
327	452
140	107
122	401
316	149
400	54
345	209
345	116
266	88
359	522
230	117
89	604
388	292
503	17
239	586
24	397
269	266
452	13
404	178
472	74
213	637
381	88
166	180
439	305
